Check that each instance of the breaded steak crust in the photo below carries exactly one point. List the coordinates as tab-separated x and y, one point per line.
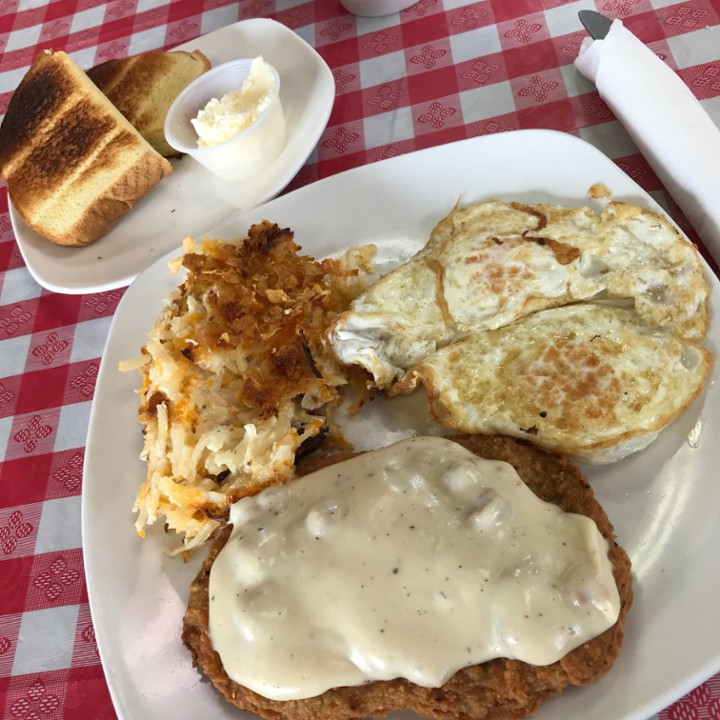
496	690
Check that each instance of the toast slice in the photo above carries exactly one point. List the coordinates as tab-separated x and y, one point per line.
73	164
500	689
143	88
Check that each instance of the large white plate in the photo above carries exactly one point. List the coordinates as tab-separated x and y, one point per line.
190	199
662	501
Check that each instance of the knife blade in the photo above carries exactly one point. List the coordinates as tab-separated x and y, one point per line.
596	24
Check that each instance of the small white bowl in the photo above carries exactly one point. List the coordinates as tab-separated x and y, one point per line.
243	155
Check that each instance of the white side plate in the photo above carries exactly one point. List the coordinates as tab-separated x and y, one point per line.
190	199
663	501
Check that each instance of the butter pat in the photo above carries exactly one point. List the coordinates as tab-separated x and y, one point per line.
222	119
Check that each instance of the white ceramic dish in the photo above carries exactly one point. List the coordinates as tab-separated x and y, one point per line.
191	199
663	501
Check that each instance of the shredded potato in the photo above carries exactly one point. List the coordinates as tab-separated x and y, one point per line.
237	375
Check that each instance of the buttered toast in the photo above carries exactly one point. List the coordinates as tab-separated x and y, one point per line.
73	164
143	88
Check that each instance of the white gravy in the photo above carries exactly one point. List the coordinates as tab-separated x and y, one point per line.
412	561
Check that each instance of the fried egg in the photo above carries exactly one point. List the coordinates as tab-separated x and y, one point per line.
489	264
593	381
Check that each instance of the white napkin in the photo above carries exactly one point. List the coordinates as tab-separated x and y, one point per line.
670	127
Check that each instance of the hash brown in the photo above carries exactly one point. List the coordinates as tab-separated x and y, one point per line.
236	377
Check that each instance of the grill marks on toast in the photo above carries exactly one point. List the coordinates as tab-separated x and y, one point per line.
77	140
128	79
144	86
40	97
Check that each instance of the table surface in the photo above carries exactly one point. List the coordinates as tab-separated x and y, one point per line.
440	71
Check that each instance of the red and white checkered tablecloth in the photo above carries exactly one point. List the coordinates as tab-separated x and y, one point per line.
440	71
